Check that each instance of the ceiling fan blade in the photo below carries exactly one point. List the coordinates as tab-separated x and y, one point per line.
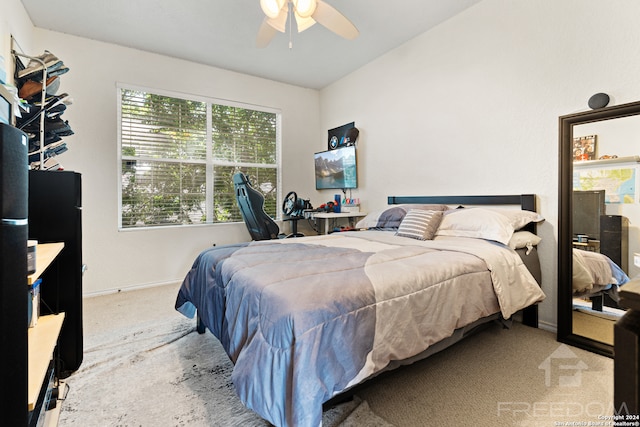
270	26
329	17
265	34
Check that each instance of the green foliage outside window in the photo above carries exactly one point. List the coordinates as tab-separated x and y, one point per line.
164	162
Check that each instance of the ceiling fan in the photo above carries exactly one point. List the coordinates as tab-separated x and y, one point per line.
306	13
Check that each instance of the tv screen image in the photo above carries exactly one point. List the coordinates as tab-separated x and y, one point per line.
336	168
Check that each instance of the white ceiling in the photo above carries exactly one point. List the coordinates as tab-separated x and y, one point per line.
222	33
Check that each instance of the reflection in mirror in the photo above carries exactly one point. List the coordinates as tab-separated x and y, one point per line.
599	222
604	205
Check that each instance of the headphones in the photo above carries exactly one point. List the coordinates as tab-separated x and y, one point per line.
293	206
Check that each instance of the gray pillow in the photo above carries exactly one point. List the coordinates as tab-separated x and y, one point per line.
420	224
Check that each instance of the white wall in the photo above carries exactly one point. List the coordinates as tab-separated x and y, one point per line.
472	106
117	259
13	21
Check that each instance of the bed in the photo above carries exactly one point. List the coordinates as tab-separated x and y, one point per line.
306	319
596	275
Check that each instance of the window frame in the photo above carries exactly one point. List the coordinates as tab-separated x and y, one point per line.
209	162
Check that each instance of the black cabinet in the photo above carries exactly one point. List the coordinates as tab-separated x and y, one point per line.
614	239
55	215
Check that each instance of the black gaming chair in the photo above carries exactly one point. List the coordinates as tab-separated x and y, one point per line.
251	203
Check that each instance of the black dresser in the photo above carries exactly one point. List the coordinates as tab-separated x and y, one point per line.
614	239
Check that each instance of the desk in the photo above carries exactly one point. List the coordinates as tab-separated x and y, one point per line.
331	215
590	245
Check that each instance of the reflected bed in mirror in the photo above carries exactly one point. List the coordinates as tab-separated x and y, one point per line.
599	216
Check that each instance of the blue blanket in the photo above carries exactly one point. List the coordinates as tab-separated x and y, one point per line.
305	319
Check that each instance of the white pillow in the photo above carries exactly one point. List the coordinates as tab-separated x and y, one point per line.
478	223
523	239
519	218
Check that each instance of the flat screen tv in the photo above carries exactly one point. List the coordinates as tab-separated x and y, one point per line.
588	206
336	168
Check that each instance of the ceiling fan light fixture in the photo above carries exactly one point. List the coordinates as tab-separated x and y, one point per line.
280	21
272	8
304	23
307	13
305	8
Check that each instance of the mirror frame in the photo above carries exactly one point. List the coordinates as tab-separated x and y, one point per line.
565	222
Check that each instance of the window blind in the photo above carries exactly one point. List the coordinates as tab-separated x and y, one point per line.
167	176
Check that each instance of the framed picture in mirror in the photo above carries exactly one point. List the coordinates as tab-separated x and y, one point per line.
584	148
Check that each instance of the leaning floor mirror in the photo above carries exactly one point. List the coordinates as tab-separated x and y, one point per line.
599	221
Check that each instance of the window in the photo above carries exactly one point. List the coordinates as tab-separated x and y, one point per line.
178	155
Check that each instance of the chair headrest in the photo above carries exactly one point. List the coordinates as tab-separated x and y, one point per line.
240	178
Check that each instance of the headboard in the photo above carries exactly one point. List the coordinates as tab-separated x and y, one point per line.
526	202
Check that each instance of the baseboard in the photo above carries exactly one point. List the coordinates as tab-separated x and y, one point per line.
548	326
131	288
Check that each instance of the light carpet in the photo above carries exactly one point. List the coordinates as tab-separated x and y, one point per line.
144	366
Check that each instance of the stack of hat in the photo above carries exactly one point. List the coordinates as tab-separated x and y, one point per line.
31	86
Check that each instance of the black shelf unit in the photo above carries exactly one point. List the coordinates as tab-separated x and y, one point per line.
55	215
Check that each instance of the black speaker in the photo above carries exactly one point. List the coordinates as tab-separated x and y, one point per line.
14	291
614	239
15	172
599	100
14	181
